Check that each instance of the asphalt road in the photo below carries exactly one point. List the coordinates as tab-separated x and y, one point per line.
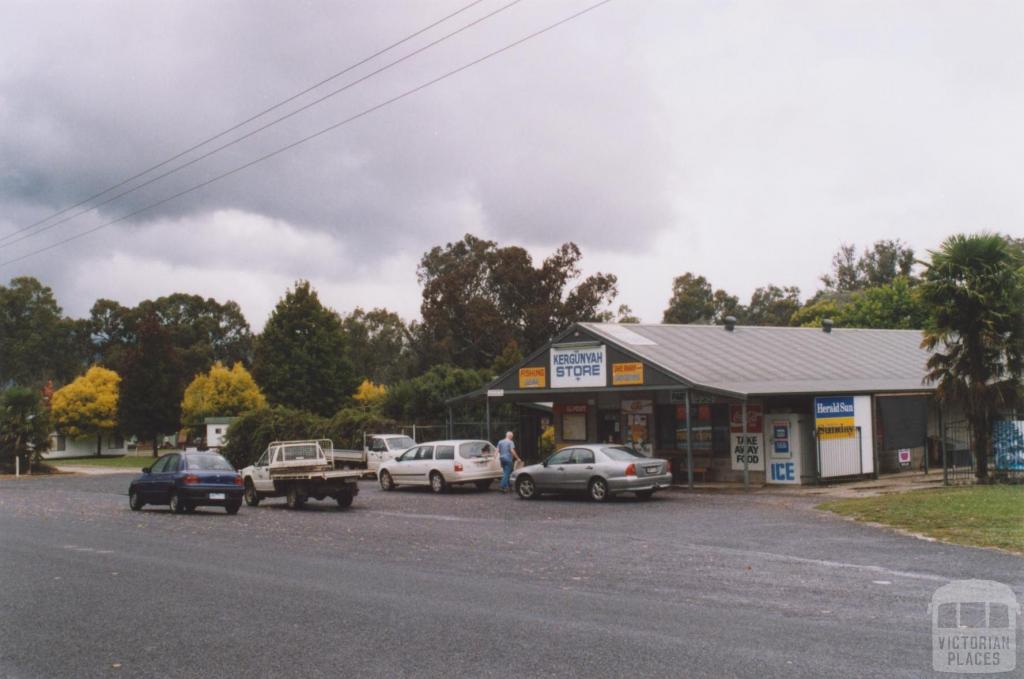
466	584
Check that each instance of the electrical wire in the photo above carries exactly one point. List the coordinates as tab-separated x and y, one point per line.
317	134
256	131
247	120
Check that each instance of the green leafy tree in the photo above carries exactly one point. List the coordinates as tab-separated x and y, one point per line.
24	426
694	301
250	434
36	342
301	359
477	296
152	383
88	406
895	305
422	399
203	331
378	344
974	290
772	305
881	264
347	427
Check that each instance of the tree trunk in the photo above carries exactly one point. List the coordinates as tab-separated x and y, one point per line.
981	441
156	445
99	445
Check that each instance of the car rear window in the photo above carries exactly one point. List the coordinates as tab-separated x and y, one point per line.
213	462
467	451
623	454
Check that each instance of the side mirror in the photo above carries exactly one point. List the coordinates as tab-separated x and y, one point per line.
145	470
545	463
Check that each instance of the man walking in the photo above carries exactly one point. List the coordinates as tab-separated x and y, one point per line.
508	456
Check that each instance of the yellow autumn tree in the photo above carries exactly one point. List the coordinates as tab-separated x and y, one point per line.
88	406
220	393
369	394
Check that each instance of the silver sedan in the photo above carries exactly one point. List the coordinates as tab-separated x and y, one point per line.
600	469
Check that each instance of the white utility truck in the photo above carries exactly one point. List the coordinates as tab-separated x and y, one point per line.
299	470
377	448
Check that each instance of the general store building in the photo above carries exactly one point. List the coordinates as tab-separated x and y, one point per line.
734	403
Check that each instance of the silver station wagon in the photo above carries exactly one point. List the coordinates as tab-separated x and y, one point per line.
599	469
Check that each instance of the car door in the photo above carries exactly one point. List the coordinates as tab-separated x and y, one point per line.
147	484
423	464
376	454
163	482
404	467
551	475
261	474
579	470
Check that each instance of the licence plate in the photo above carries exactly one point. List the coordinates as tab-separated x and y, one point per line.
217	496
651	468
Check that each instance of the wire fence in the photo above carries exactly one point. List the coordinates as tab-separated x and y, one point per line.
1005	457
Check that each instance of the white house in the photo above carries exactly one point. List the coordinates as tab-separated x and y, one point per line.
64	446
216	428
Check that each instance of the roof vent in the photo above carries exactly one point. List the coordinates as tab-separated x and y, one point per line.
826	324
730	323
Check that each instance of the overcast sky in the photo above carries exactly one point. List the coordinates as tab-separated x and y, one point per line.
744	141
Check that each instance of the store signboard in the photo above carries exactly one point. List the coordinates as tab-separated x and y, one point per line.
750	446
627	374
834	417
532	378
578	367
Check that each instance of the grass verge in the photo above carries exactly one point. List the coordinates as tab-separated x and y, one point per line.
126	462
979	516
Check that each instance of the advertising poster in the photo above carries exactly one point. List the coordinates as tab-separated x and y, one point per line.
755	419
574	423
834	417
627	374
578	367
1008	445
532	378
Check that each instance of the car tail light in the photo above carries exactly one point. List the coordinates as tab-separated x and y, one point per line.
238	480
191	478
631	469
458	467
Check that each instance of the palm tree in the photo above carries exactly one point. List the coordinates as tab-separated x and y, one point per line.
974	290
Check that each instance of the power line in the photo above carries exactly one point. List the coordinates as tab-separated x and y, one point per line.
247	120
317	134
256	131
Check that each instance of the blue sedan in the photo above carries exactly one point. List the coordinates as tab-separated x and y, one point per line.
186	481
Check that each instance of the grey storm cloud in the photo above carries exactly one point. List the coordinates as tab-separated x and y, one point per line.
740	140
541	141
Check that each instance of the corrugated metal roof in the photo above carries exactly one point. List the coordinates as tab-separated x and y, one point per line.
770	360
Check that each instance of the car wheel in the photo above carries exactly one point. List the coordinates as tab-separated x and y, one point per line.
437	483
484	485
599	490
252	498
644	494
345	499
135	500
176	504
232	507
295	499
386	482
526	488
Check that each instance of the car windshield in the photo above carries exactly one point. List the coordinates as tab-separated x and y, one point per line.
400	442
214	462
474	449
621	453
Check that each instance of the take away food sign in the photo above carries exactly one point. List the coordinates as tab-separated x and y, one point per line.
579	366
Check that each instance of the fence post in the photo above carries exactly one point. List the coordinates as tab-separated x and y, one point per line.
942	444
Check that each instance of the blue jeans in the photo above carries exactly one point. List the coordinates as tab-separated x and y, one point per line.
506	471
